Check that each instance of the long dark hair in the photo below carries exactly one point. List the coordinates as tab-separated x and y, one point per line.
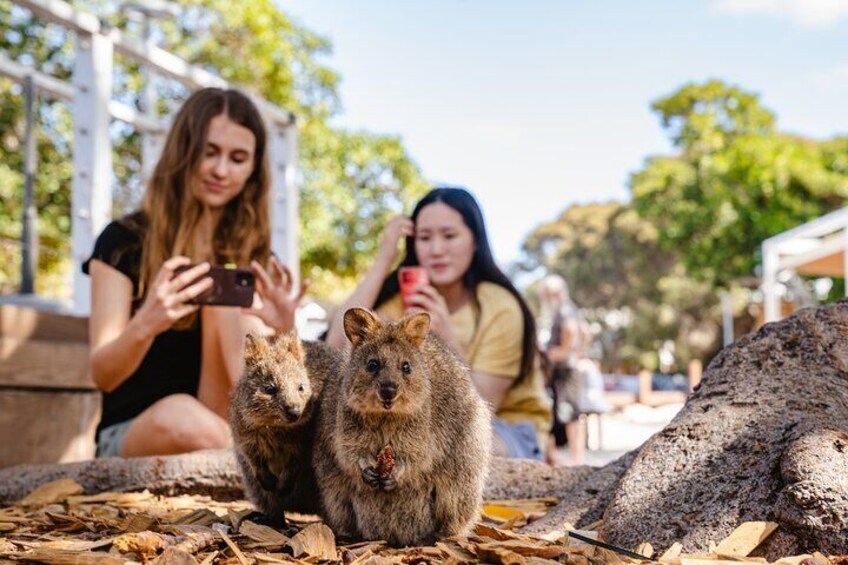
482	268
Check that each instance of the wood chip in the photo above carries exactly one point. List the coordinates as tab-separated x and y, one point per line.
55	491
315	540
238	553
672	552
645	549
744	539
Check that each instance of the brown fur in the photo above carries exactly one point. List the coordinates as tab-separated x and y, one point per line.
436	422
272	420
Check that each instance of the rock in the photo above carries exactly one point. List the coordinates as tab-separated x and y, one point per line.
762	438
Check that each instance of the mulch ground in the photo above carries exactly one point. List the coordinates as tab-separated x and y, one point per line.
58	525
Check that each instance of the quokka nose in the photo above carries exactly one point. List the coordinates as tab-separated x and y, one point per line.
388	392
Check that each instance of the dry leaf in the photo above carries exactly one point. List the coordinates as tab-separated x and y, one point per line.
744	539
145	543
527	549
314	540
455	552
55	491
58	557
498	555
793	560
114	498
501	514
176	556
262	534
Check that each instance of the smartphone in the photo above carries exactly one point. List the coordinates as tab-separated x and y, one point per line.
230	287
408	279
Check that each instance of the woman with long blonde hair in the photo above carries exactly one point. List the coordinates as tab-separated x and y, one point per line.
165	365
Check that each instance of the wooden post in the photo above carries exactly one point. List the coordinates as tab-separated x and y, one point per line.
91	201
285	197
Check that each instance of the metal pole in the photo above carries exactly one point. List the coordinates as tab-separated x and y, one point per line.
29	233
726	318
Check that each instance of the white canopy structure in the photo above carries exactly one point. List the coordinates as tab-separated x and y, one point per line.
817	248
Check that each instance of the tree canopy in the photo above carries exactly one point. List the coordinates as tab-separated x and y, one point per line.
350	180
694	225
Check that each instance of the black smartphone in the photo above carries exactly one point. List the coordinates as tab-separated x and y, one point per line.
230	287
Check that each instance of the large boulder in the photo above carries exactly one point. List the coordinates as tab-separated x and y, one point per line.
763	438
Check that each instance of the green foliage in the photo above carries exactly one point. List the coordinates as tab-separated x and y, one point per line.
24	38
735	182
694	226
351	181
636	293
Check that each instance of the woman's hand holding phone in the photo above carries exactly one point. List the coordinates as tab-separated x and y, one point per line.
169	294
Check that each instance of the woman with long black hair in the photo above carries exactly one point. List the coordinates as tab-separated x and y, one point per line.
474	309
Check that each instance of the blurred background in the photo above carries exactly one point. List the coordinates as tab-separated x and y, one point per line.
644	151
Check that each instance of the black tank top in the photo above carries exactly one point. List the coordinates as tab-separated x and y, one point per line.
172	364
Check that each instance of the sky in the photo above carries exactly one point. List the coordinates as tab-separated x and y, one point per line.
535	105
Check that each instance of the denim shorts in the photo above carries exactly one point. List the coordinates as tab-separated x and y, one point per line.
110	440
520	439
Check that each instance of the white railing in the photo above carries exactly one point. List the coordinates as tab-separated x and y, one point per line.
90	95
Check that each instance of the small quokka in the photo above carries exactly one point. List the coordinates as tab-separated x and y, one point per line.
403	442
272	419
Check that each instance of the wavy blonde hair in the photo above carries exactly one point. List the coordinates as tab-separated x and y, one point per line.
170	211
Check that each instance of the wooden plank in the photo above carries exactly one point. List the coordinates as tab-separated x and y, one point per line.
25	322
38	363
41	427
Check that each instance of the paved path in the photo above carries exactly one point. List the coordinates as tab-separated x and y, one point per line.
626	429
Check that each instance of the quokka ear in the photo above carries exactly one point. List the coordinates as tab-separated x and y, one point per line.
359	324
254	345
291	343
415	327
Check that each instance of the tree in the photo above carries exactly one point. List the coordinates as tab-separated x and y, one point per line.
254	45
735	180
637	293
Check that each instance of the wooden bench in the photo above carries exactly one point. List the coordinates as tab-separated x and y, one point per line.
49	408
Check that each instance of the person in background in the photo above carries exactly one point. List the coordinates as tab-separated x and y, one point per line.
569	335
474	309
166	367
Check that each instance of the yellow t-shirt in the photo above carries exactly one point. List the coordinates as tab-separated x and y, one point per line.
490	337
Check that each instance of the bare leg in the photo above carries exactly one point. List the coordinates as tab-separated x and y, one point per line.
575	431
176	424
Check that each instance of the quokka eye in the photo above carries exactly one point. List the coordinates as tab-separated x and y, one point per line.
300	388
373	365
406	368
271	389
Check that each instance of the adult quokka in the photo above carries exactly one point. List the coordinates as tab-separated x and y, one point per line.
404	440
272	419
